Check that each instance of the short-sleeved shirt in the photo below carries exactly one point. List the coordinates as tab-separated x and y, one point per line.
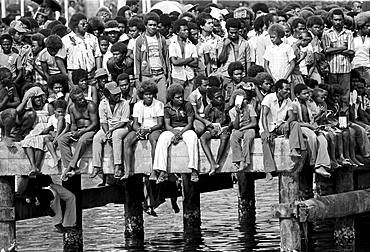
338	63
179	117
148	115
196	99
12	61
153	48
245	116
215	115
277	114
53	121
362	50
279	57
182	72
45	57
120	113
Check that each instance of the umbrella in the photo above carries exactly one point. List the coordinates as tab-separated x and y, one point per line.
168	6
52	4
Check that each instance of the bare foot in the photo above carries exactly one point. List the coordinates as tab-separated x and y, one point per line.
9	142
64	176
294	153
323	172
213	170
237	166
269	176
357	162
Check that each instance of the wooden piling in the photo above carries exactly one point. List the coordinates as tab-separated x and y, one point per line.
134	223
191	204
7	211
73	238
246	197
344	228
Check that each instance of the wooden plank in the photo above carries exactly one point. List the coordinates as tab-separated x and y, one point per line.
18	164
7	224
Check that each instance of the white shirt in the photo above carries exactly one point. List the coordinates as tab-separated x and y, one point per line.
182	72
53	121
279	57
362	49
153	47
277	114
148	115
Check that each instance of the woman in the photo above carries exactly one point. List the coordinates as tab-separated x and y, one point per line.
178	120
58	89
33	143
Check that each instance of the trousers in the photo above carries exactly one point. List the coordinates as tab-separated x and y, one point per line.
63	193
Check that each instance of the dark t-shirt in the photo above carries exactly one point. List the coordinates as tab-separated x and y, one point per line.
179	118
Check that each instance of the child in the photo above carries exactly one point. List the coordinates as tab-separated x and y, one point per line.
244	120
79	78
279	57
215	113
9	59
103	44
135	26
58	124
235	70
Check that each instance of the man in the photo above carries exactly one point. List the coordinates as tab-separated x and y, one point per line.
339	50
119	62
83	51
84	122
233	48
114	115
113	32
9	100
101	77
183	57
315	26
151	56
298	26
276	107
128	91
263	40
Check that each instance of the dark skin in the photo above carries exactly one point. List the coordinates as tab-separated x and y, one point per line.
8	97
182	36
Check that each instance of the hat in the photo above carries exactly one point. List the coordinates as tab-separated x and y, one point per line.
112	88
190	7
100	72
18	26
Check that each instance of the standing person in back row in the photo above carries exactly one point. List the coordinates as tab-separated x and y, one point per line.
151	61
339	50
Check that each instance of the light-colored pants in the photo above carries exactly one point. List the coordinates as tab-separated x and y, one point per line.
63	193
164	141
239	153
117	139
161	82
318	146
187	85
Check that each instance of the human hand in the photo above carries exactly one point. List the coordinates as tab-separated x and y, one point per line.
238	108
108	134
175	140
286	129
266	137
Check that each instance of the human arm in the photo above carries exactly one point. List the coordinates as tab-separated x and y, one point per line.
194	63
268	70
222	57
251	125
290	69
180	61
98	62
198	117
93	116
267	136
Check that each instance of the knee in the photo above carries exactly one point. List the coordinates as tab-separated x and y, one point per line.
224	137
30	115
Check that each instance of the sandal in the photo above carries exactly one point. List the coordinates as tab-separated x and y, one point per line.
163	176
118	173
153	175
96	171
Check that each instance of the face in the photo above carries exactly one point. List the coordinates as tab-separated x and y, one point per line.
317	29
124	85
357	7
38	101
115	97
35	47
204	86
300	28
104	15
305	40
266	85
128	14
133	31
338	22
82	27
183	32
304	95
52	52
275	39
96	33
113	36
18	36
59	112
360	87
40	19
118	56
237	76
365	28
6	45
320	97
208	26
194	35
102	80
82	83
233	33
148	98
218	99
285	91
104	44
287	31
58	88
217	30
178	99
122	27
80	100
281	20
152	27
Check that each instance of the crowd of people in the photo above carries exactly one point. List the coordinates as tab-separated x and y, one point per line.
296	71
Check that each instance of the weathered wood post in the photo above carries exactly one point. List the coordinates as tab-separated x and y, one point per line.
344	228
7	211
134	223
191	204
72	238
246	197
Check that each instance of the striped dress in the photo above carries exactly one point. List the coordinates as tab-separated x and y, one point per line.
34	139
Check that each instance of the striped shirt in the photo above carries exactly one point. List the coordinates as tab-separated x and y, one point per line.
338	63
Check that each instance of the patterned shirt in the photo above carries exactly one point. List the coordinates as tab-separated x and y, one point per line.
81	53
120	113
182	72
212	41
338	63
